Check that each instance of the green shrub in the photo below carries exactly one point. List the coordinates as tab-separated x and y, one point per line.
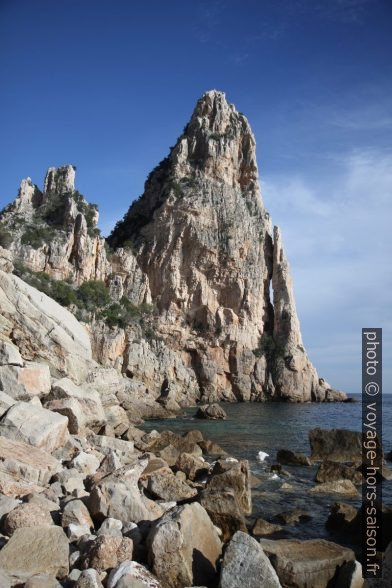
93	295
59	290
5	237
268	347
37	236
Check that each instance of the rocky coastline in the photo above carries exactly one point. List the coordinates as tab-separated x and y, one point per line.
173	310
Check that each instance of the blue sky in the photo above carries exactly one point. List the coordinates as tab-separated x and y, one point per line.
109	85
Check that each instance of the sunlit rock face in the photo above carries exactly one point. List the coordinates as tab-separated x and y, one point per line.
200	247
201	235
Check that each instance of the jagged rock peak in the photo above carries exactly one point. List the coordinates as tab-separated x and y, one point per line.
60	180
219	142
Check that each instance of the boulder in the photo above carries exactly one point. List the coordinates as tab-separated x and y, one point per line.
165	486
345	487
23	383
288	457
107	552
292	517
245	565
306	563
118	496
86	463
42	581
124	449
233	476
24	466
184	547
36	550
89	579
6	402
336	444
211	448
210	411
26	515
110	527
9	354
331	471
386	574
117	419
35	426
6	505
194	467
224	510
76	513
130	574
262	527
83	407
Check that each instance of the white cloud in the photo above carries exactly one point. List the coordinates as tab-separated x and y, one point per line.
337	235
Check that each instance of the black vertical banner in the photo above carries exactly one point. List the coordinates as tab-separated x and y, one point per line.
372	454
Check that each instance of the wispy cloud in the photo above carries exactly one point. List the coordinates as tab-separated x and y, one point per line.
338	239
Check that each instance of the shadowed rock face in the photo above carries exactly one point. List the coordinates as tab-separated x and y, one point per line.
201	247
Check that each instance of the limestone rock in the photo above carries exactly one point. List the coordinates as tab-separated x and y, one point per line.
234	476
345	487
210	411
6	402
42	581
25	466
118	496
107	552
35	426
224	510
288	457
306	563
336	445
166	486
292	517
245	564
82	407
23	383
44	330
26	515
110	527
130	574
184	547
9	354
89	579
262	527
330	471
192	466
76	513
36	550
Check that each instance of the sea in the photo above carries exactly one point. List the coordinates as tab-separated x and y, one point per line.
254	427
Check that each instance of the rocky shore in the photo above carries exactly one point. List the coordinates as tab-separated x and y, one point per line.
89	500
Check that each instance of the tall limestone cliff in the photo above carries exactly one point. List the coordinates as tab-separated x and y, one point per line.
199	246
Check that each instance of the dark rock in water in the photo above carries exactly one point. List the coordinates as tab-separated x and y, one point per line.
262	527
303	564
288	457
277	468
389	456
330	471
341	515
336	444
211	448
346	521
245	564
292	517
210	411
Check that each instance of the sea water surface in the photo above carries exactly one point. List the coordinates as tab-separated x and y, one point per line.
254	427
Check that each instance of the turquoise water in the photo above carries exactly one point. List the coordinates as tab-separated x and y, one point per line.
254	427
